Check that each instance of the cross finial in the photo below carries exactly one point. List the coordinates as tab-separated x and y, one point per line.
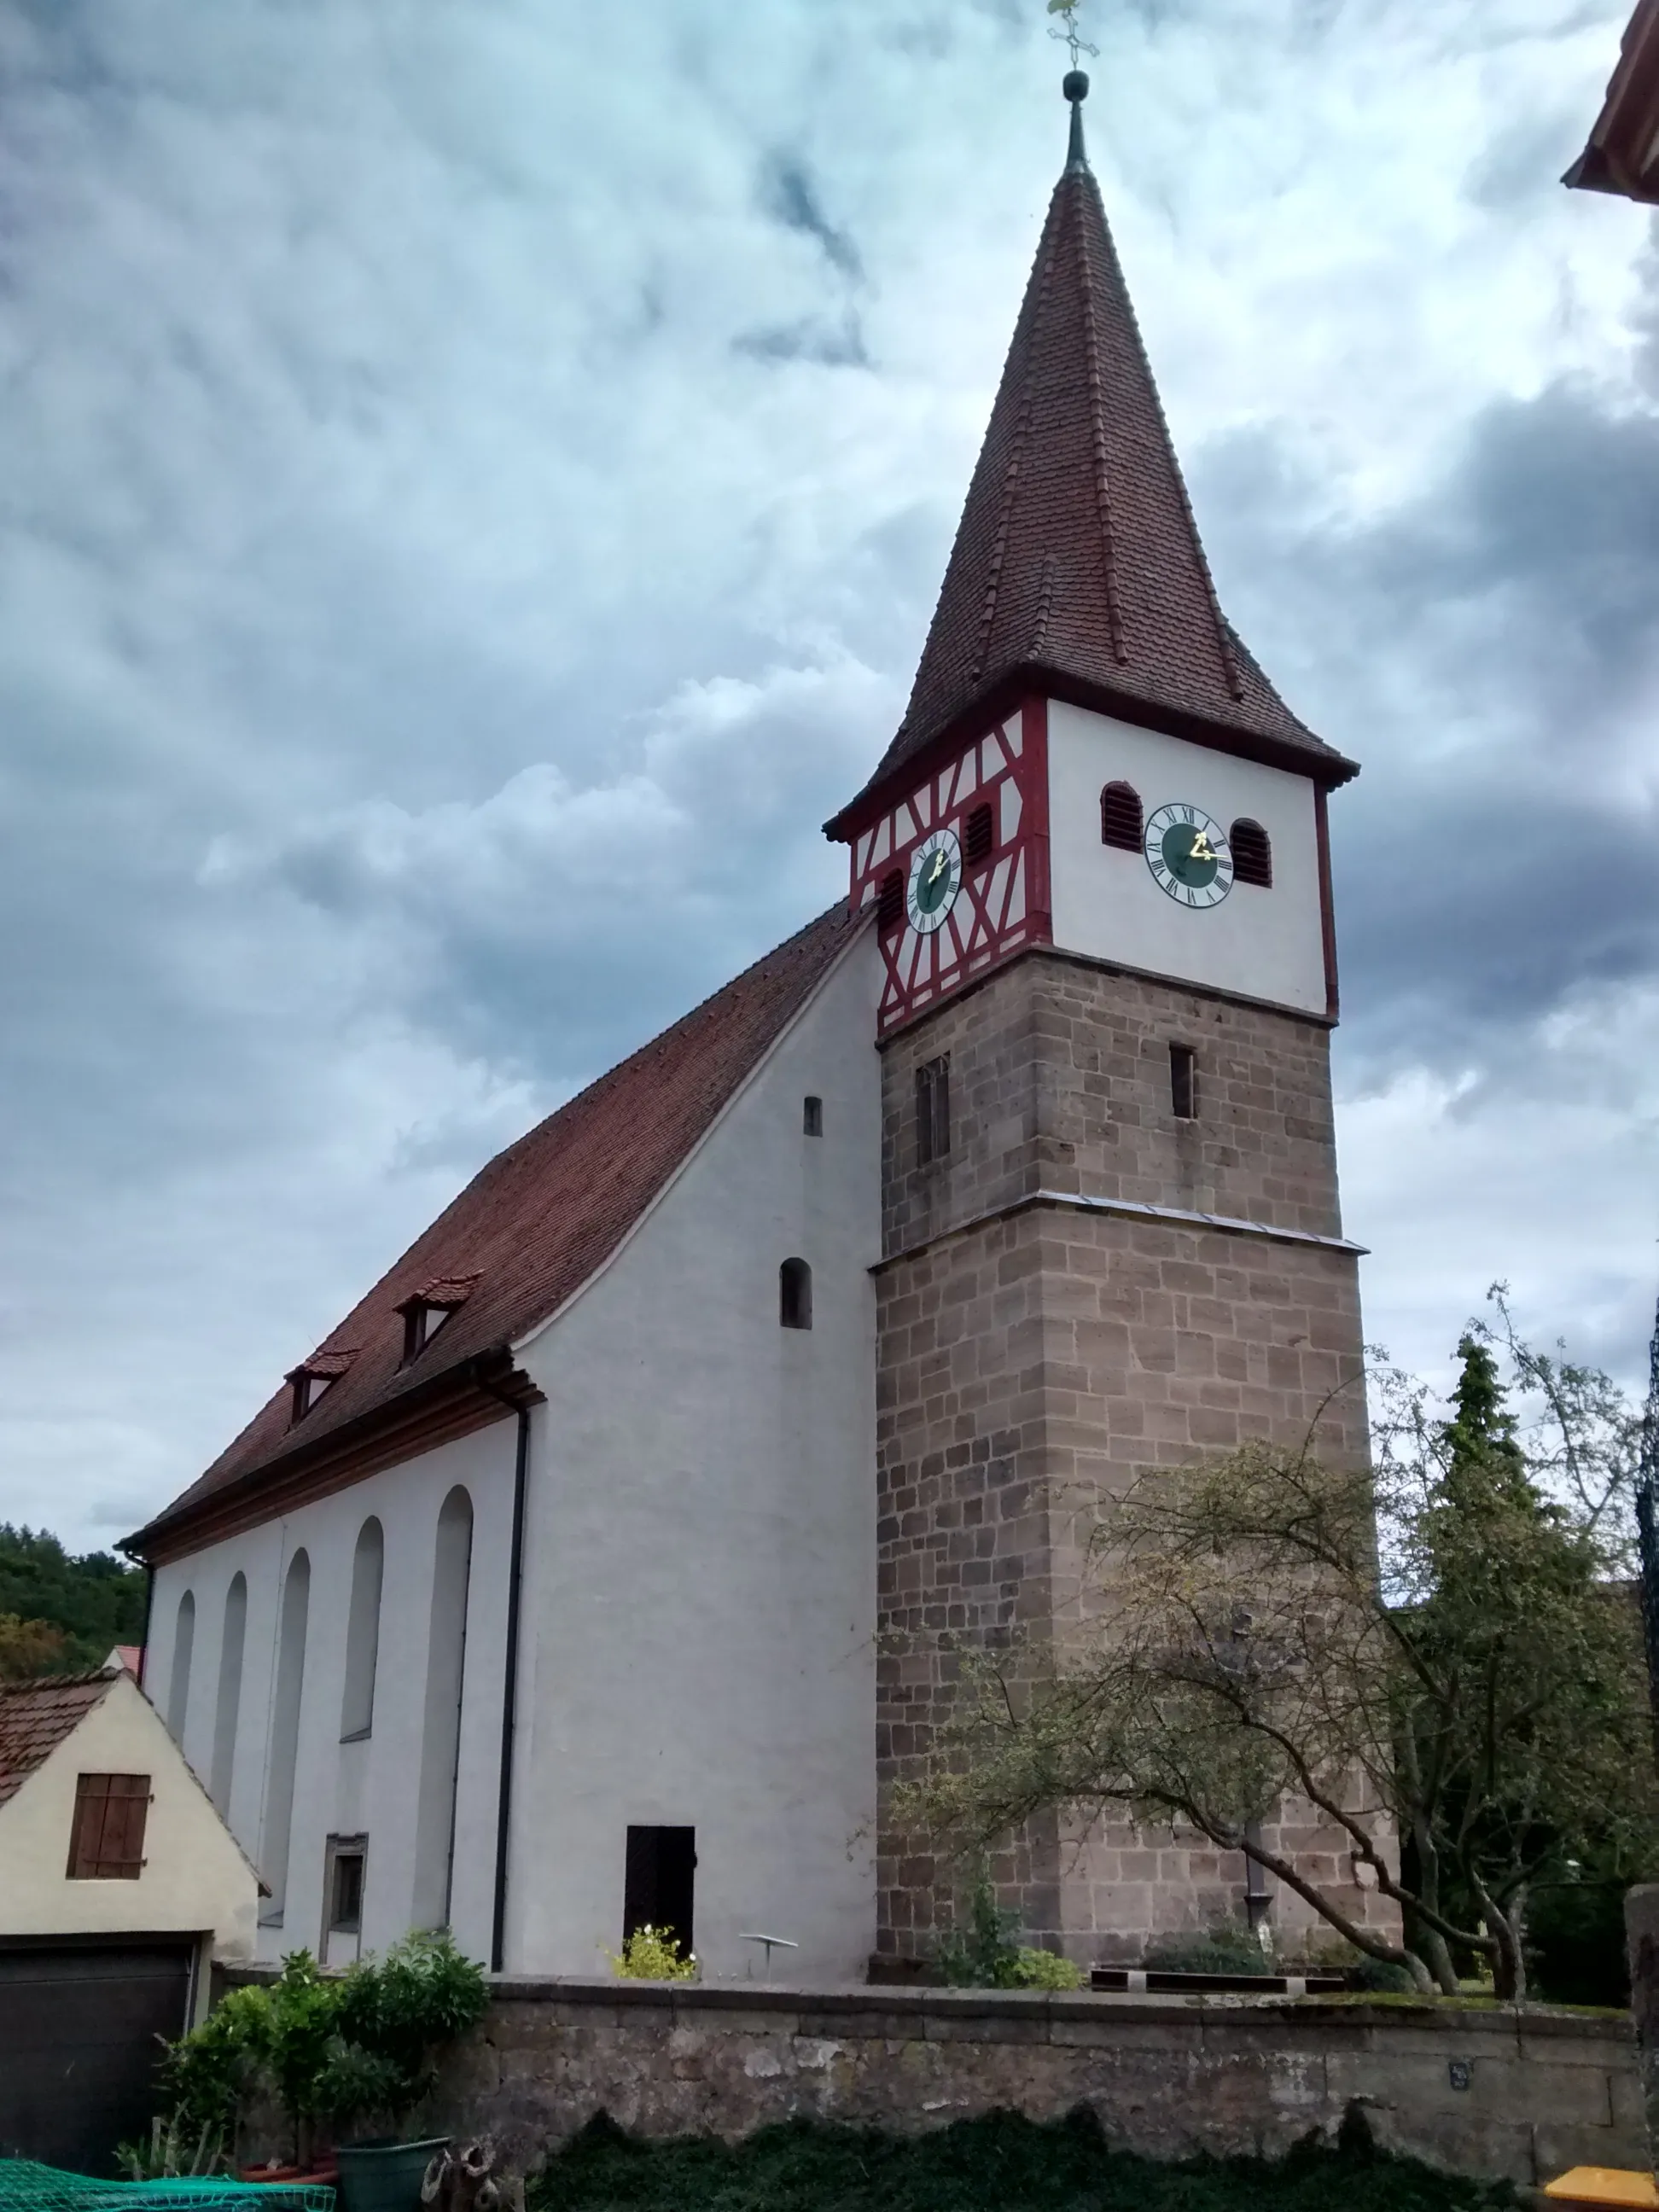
1067	30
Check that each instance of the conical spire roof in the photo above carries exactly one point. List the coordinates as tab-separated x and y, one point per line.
1077	566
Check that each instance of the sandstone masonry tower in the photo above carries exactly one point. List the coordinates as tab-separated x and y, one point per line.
1111	1233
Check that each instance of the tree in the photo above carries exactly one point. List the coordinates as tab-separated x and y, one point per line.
1439	1653
94	1601
28	1648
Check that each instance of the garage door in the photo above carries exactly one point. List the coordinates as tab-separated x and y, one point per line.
78	2024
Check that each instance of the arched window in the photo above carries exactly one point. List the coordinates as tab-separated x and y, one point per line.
285	1730
184	1644
1119	817
979	839
890	901
362	1634
1253	856
795	1294
441	1741
229	1699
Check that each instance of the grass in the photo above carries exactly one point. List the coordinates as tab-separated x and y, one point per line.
1001	2163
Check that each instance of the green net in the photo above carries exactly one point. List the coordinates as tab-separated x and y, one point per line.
26	2187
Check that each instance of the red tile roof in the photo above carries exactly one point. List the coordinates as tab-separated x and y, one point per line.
1077	563
36	1717
531	1228
1622	154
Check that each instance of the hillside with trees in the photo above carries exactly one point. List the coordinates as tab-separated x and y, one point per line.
60	1612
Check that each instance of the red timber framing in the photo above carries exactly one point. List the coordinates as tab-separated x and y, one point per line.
1003	905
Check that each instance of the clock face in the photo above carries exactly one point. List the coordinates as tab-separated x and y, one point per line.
1188	855
935	879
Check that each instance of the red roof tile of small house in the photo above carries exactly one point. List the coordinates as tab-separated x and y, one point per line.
533	1225
35	1716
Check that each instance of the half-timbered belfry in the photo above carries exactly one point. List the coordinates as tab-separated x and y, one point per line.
600	1567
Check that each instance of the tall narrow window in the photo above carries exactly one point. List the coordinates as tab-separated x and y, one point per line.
228	1701
1120	816
1183	1082
345	1866
285	1733
890	901
1252	861
934	1110
441	1739
184	1645
978	838
659	1878
362	1634
811	1118
795	1294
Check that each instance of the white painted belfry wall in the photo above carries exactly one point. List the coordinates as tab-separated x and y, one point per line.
1261	944
700	1555
699	1576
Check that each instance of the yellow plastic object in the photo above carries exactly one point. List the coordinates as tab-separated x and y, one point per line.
1602	2185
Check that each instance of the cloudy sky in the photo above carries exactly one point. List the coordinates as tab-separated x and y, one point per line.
476	476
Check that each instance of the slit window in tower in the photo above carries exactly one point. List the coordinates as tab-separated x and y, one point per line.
933	1109
1253	856
811	1118
794	1295
1183	1082
890	901
1119	817
979	836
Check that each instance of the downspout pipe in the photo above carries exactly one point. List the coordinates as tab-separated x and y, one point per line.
510	1686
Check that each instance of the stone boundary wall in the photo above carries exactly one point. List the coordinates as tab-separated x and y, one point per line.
1521	2093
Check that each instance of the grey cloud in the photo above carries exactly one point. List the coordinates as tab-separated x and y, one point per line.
789	195
814	338
1486	652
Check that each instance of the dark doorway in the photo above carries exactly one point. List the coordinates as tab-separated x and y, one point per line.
78	2029
662	1865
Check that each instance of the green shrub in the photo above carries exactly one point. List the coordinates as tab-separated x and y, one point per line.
1224	1950
651	1954
1000	2163
985	1955
334	2049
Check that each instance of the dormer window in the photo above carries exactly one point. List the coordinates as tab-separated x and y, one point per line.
431	1308
312	1381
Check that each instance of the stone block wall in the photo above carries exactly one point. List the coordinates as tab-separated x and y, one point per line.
1036	1350
1498	2093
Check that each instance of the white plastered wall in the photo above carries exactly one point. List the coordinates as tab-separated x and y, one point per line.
700	1565
194	1879
699	1579
1263	944
369	1787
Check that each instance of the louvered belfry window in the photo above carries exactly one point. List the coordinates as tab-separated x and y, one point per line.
1119	817
979	836
1253	856
106	1843
889	901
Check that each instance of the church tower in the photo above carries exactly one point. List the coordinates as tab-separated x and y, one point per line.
1111	1238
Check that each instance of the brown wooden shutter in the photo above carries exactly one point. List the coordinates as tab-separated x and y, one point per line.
106	1843
980	840
1253	855
889	901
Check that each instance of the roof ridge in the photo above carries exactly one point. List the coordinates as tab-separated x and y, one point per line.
1097	424
77	1682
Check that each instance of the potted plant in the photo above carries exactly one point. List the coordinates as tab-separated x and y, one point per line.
395	2015
342	2055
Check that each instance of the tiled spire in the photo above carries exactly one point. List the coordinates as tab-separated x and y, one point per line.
1077	563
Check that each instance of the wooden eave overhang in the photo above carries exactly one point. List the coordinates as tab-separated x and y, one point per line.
1030	679
478	1391
1622	154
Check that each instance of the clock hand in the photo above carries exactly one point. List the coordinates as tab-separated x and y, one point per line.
938	868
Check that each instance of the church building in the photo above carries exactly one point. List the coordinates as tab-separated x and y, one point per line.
601	1566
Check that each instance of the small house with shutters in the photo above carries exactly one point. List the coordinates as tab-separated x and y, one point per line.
105	1835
